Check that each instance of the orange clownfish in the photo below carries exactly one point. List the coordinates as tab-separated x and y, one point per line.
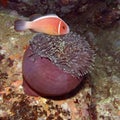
49	24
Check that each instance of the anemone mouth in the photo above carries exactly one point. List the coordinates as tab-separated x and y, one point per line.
69	52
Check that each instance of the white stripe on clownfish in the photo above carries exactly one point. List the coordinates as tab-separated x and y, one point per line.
48	16
59	25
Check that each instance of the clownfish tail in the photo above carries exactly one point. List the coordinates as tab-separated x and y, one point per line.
20	25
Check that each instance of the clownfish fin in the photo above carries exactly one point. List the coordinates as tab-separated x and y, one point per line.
20	25
33	31
35	16
45	16
50	15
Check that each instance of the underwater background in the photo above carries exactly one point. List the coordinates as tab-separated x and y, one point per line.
98	98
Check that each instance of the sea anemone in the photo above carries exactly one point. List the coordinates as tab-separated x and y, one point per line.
55	65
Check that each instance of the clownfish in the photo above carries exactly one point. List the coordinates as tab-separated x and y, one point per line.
49	24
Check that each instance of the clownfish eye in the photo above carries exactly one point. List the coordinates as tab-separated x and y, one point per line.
63	27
